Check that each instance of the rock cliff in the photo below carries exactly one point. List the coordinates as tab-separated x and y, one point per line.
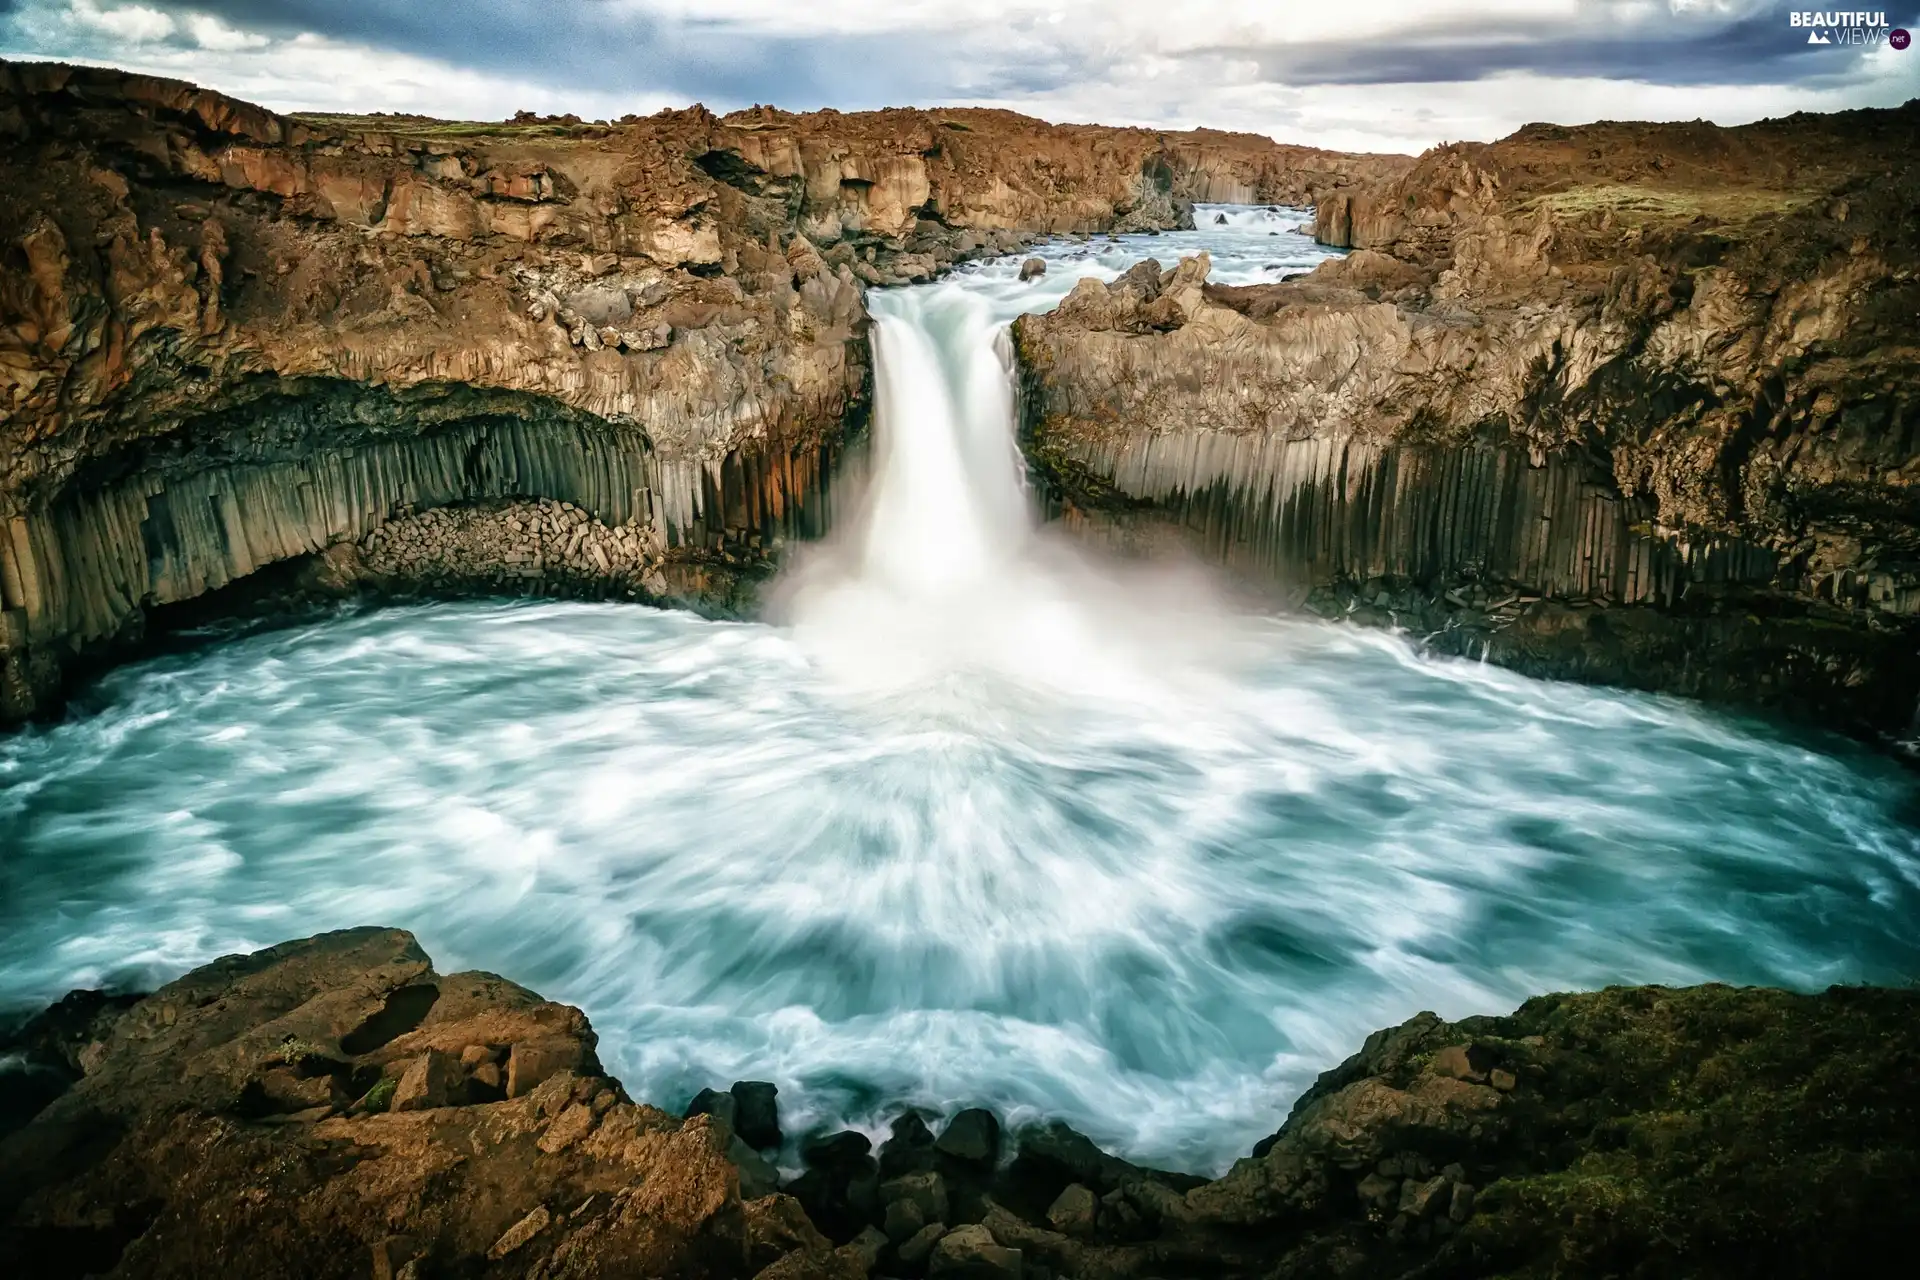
333	1107
230	338
1627	402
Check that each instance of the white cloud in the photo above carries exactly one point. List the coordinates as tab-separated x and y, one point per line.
211	33
1412	117
134	23
307	73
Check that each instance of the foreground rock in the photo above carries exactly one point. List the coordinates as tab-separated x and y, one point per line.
1630	403
333	1107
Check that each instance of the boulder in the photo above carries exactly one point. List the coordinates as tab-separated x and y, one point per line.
919	1247
908	1148
712	1102
971	1253
429	1081
926	1191
1033	267
531	1062
901	1219
845	1149
757	1113
971	1137
1073	1211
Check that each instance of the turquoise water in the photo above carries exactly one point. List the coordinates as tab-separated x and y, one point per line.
976	819
1154	914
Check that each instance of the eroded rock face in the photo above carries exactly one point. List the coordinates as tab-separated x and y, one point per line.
229	337
1657	373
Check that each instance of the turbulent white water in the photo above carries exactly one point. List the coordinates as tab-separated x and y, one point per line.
977	822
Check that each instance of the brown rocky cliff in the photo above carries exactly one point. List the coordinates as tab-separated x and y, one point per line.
1618	365
230	337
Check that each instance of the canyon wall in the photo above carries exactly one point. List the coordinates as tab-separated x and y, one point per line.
1631	403
230	338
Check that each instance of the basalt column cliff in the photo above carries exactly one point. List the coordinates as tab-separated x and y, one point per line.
630	354
1633	403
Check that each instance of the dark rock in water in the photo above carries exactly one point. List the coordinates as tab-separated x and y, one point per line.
972	1137
909	1149
836	1150
756	1113
1033	267
1219	219
712	1102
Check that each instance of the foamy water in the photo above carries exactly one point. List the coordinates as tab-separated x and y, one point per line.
978	821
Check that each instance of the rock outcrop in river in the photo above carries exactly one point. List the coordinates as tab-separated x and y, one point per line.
333	1107
229	337
1628	402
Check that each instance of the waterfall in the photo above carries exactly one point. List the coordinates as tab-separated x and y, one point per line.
941	584
946	509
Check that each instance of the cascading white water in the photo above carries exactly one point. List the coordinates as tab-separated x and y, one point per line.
940	576
986	823
946	505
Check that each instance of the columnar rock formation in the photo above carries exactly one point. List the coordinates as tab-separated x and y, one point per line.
334	1107
1649	388
230	337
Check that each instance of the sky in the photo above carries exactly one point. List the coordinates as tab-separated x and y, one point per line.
1390	75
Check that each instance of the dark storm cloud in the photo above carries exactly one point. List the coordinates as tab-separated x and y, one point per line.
592	44
1757	46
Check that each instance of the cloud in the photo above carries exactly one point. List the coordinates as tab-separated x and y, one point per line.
211	33
1392	74
1710	49
133	23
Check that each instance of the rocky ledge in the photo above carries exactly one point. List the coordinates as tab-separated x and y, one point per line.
1630	403
333	1107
